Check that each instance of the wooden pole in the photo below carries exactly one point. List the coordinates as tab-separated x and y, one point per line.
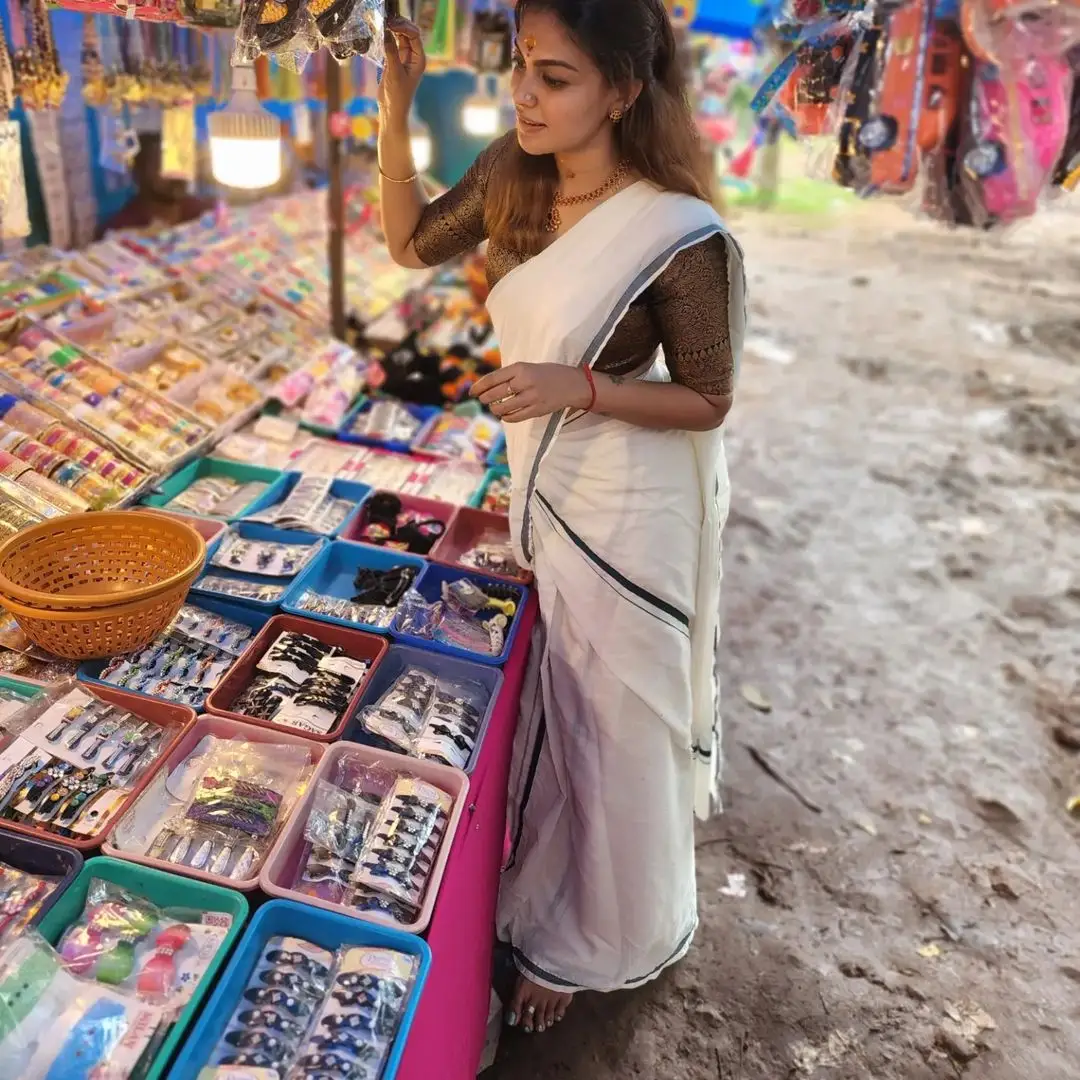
336	199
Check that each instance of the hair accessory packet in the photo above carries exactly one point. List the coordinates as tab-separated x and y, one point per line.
21	897
389	525
465	617
492	553
217	496
387	421
303	683
127	941
310	1014
73	761
265	557
186	662
378	593
219	811
427	717
59	1026
309	507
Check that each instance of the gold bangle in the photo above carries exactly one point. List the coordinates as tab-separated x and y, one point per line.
392	180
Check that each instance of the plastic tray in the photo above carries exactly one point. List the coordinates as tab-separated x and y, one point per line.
223	728
401	657
252	531
355	643
178	719
333	574
423	413
428	509
323	928
430	587
45	859
339	489
496	458
196	470
210	529
477	501
282	866
467	528
166	890
90	671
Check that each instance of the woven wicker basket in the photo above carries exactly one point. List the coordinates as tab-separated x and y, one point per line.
83	562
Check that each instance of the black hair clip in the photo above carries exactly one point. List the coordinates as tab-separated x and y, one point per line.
352	1043
272	1021
278	999
261	1041
251	1060
289	980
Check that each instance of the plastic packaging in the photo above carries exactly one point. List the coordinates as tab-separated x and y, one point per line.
126	941
59	1025
290	32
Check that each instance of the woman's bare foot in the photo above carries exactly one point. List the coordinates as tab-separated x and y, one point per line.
535	1008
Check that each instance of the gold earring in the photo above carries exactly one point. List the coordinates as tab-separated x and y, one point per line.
616	115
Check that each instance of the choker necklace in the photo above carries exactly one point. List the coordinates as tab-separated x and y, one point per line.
554	218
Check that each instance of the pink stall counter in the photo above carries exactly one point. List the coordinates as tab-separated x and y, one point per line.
448	1035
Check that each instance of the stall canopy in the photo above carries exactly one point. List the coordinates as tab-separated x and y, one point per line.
730	18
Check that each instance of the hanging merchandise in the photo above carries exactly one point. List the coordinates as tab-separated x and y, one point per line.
965	109
178	150
41	85
14	214
291	31
492	41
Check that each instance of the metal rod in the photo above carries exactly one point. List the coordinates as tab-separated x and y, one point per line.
336	199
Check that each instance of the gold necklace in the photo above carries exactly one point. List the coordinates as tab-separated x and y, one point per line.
554	218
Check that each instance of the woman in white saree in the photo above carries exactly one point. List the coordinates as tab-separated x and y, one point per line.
618	300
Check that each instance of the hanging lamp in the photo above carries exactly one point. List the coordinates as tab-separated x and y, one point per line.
480	115
420	142
245	139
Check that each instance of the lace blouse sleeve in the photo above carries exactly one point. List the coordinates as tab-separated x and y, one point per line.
454	223
689	302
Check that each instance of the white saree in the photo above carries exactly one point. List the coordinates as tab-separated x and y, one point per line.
618	743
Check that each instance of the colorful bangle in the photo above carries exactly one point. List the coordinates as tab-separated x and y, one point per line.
592	387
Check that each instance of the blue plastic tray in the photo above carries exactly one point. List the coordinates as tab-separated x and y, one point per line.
430	587
422	413
43	859
334	571
477	501
339	489
235	470
441	666
324	928
227	608
251	531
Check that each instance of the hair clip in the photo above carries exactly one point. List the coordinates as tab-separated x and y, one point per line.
274	998
298	960
252	1060
262	1041
271	1021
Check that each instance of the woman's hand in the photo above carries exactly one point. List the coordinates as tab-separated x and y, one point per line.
525	391
405	64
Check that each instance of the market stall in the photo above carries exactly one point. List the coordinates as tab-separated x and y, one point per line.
263	636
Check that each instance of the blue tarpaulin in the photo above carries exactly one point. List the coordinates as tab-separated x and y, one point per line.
730	18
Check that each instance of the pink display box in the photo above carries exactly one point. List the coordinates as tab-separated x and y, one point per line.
223	728
283	865
464	532
448	1034
426	508
355	644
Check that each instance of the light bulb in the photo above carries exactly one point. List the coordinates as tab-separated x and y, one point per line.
245	140
480	117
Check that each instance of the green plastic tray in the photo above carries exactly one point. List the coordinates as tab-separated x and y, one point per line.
25	690
235	470
166	890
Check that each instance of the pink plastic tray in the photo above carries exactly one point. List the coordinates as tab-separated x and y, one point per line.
426	508
175	720
465	530
282	865
354	643
223	728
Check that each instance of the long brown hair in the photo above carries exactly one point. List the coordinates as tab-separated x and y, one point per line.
627	40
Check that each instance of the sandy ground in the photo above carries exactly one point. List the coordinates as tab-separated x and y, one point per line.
903	589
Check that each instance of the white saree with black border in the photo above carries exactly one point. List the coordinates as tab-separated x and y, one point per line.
618	741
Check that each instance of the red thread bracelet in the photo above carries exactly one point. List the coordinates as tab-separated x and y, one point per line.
592	387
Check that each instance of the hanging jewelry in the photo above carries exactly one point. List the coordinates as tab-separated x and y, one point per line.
615	180
94	89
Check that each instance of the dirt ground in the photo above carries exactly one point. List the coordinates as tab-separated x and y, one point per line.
903	589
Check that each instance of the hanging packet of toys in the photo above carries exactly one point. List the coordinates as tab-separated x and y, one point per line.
291	30
968	109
